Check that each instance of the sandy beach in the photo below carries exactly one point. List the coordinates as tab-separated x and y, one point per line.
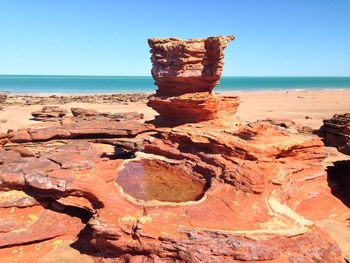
304	107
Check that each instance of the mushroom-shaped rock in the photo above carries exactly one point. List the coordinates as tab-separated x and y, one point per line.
186	71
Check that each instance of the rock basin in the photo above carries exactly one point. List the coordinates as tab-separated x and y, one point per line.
156	180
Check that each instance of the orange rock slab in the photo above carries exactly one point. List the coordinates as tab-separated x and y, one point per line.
194	108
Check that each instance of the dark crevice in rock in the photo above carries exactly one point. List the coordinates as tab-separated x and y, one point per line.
27	243
82	244
51	204
84	214
82	137
339	180
41	194
120	153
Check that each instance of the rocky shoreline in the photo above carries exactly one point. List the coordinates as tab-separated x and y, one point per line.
26	100
100	186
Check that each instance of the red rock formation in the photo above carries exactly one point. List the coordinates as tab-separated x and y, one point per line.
80	112
49	113
195	107
260	180
242	216
186	71
265	195
80	128
187	66
336	132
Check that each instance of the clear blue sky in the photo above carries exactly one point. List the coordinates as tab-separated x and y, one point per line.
100	37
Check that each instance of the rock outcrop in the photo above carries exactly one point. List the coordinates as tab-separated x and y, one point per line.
256	203
49	113
80	112
124	98
254	191
185	72
79	129
91	114
336	132
187	66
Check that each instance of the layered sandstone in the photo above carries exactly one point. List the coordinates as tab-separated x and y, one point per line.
185	72
256	204
187	66
194	107
336	132
254	191
49	113
79	128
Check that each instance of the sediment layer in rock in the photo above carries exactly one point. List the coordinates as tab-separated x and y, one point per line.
187	66
80	128
336	132
259	175
49	113
260	179
194	107
186	71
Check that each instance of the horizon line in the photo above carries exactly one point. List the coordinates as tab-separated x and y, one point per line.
143	76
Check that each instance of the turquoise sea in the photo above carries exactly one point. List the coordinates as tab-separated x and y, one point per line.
102	84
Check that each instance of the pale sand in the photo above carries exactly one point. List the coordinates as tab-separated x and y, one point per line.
318	105
294	105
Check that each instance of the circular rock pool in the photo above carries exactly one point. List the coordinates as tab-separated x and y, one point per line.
156	180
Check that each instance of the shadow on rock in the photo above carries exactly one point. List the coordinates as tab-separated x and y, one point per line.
339	180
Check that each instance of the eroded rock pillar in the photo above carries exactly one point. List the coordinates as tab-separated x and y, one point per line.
186	71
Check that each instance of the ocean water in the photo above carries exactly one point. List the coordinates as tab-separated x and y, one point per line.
101	84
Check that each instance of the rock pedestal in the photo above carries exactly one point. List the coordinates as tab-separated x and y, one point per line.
186	71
